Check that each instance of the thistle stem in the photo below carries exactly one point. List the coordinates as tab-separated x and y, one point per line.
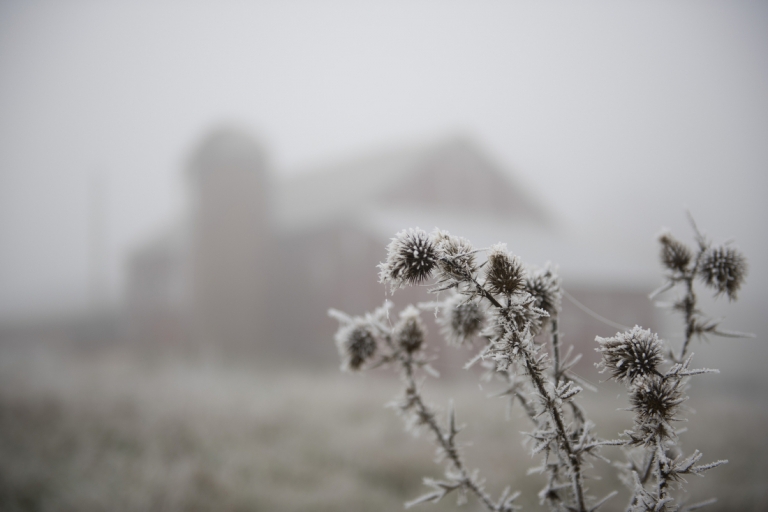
555	339
573	458
690	311
445	441
690	296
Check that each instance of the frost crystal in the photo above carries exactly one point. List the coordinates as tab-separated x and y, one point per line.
356	344
411	258
724	269
630	354
504	273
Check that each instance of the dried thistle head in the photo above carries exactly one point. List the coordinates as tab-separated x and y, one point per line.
675	255
544	287
631	354
461	319
504	273
356	344
410	331
411	258
655	399
724	269
456	256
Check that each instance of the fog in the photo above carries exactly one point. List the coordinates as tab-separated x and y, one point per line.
609	120
617	117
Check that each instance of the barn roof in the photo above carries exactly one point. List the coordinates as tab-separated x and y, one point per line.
451	184
452	175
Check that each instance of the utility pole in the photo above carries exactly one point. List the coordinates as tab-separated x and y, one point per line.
97	243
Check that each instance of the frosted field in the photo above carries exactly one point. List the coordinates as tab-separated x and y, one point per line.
106	432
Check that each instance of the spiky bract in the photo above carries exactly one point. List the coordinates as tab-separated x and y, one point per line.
411	258
630	354
356	344
456	257
723	268
675	255
461	319
544	287
409	330
504	273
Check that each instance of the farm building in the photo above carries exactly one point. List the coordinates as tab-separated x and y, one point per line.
259	256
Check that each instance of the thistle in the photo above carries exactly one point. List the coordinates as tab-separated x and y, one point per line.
409	331
461	319
721	268
724	269
656	396
500	302
504	273
675	255
655	401
635	353
544	287
356	344
456	258
411	258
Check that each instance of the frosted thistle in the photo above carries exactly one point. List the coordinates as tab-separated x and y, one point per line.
675	255
461	319
456	257
630	354
655	401
356	344
723	268
411	258
544	286
409	330
509	308
504	273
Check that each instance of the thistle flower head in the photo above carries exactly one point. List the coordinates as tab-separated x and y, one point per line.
456	256
409	330
544	287
356	344
655	399
675	255
631	354
723	268
411	258
461	319
504	272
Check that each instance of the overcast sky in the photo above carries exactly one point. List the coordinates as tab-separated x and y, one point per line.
615	115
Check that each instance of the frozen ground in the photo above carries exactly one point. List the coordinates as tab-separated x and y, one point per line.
92	432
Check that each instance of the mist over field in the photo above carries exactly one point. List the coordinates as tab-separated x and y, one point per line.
187	188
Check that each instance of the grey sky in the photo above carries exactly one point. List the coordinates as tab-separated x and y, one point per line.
616	116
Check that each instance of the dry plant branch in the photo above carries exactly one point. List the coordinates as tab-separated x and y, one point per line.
514	309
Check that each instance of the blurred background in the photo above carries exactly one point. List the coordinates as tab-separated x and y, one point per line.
187	187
